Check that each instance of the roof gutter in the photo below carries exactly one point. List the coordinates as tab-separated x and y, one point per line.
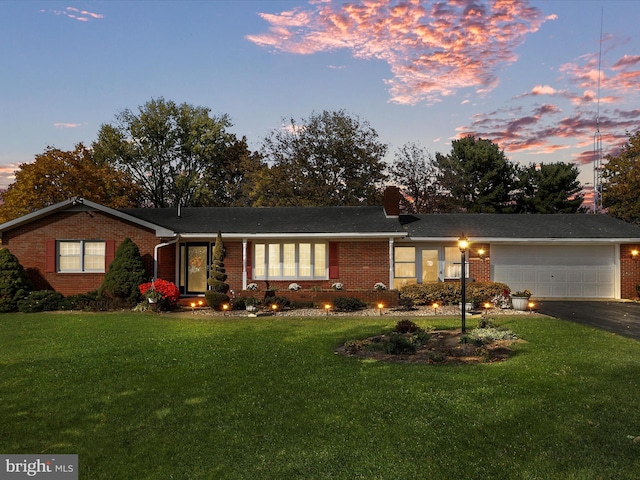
531	240
374	235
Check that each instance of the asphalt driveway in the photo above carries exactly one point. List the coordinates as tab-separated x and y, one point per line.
618	317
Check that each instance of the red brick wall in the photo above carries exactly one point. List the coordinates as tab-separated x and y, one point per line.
28	243
629	271
479	264
361	264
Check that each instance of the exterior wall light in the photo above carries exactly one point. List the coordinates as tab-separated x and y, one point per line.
482	253
634	253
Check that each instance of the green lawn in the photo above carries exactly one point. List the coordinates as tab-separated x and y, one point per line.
143	396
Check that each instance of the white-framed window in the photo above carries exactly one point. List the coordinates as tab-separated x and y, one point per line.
453	263
404	266
290	260
81	256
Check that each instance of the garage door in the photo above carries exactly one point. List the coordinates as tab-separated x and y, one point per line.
556	271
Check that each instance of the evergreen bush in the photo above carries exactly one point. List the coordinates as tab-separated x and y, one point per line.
348	304
448	293
14	282
218	273
126	272
216	299
41	301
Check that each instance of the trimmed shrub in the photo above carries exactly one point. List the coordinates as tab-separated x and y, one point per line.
480	292
126	272
398	344
82	301
448	293
406	326
348	304
282	302
14	282
41	301
218	272
216	299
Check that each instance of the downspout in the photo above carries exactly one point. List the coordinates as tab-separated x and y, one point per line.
391	276
155	253
244	264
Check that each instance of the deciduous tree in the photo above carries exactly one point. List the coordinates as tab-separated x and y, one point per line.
57	175
414	172
166	148
330	158
621	181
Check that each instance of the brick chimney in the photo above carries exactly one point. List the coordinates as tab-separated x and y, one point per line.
391	202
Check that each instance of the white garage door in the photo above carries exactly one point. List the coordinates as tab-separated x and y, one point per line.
556	271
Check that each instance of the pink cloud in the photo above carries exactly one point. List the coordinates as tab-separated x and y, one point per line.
433	48
67	125
77	14
586	110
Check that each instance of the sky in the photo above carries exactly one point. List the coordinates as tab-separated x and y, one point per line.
541	79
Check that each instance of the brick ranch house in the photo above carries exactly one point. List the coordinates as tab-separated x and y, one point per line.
68	246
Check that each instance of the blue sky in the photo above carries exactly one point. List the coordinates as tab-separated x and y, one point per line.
523	74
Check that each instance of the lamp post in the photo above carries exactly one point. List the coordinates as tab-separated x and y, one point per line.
463	244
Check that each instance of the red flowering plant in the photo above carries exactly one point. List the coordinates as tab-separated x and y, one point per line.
162	292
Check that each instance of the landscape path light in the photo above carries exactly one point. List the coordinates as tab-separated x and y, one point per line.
463	245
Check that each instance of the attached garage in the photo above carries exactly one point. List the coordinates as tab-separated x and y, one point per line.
558	271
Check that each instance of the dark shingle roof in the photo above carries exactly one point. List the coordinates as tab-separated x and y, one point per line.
272	220
519	226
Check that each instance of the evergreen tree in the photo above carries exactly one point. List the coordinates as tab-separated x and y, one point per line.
126	272
549	188
14	282
217	296
477	176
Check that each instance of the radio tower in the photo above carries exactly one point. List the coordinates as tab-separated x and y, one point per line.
597	143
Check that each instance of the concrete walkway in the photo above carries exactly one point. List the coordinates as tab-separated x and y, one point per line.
622	318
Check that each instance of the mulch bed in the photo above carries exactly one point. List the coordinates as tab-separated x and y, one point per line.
443	347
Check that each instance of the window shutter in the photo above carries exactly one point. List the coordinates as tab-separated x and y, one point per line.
50	256
249	260
333	260
109	253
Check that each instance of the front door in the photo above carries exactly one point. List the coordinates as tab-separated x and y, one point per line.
430	270
197	266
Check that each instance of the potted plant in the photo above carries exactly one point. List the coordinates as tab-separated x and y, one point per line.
251	304
153	295
520	300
